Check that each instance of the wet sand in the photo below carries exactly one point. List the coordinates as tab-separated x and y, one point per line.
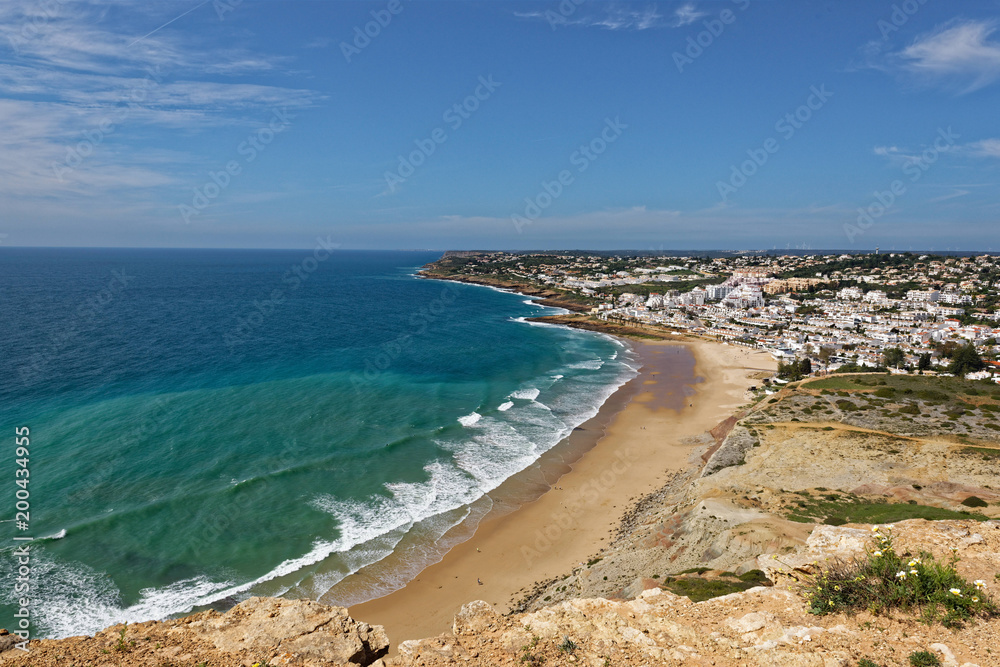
640	438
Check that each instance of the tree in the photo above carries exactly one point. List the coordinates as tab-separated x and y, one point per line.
947	349
893	357
924	363
824	355
791	371
966	360
805	366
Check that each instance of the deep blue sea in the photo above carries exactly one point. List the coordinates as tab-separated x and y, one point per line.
207	425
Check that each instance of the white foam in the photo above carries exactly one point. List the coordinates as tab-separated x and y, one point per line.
82	601
72	599
470	420
527	394
590	364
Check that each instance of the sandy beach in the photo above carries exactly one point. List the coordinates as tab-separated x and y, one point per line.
644	441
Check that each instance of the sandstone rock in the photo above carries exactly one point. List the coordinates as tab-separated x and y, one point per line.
302	628
750	623
947	656
474	617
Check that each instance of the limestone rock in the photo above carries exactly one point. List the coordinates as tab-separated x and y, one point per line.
474	617
302	628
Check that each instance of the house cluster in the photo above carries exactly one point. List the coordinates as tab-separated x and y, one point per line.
856	307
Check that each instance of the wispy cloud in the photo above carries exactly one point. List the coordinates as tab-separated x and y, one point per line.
983	148
611	17
72	69
686	14
960	56
952	195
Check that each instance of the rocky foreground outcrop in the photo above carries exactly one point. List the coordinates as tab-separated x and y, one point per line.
762	627
258	631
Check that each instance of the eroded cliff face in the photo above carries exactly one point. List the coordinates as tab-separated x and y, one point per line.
257	631
751	492
762	627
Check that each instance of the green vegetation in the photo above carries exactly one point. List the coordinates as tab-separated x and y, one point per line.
923	387
883	581
966	360
528	656
923	659
124	646
975	501
699	589
568	646
849	508
985	452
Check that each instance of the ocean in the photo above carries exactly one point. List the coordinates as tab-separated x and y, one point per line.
207	425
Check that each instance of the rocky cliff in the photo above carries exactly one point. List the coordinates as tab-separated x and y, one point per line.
764	626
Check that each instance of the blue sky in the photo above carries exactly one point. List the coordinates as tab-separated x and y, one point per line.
655	125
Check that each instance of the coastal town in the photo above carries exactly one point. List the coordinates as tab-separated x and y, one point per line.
893	312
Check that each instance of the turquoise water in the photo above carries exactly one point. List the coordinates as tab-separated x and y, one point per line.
207	425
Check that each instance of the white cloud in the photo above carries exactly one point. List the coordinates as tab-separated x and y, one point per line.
958	55
985	148
686	14
610	18
73	66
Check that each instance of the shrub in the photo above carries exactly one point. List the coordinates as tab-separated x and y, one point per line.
910	409
846	406
882	581
885	392
974	501
834	521
865	662
924	659
755	577
932	395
